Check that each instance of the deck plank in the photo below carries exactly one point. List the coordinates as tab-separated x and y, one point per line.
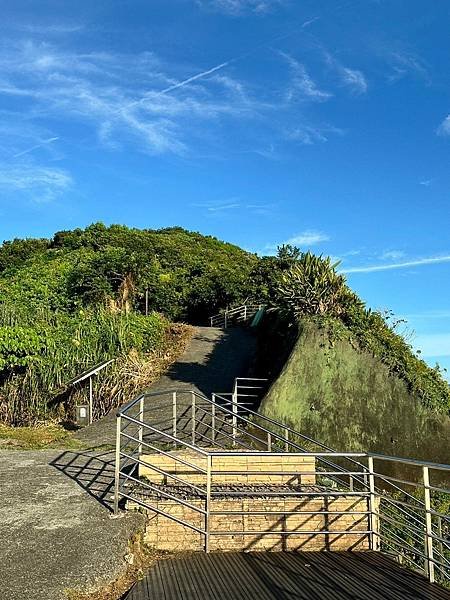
284	576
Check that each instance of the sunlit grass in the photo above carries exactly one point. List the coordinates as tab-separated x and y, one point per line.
36	438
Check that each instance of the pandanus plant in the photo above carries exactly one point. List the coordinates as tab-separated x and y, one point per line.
313	287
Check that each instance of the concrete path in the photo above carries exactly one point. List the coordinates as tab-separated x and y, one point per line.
210	363
56	529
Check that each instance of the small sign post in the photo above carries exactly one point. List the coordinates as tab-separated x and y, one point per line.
81	417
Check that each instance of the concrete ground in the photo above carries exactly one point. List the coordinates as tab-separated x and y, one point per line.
56	530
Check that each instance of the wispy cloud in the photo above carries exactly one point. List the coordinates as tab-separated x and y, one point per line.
126	97
302	86
310	237
430	314
240	7
444	127
403	63
353	79
40	184
312	134
218	206
309	22
433	260
426	182
433	344
305	239
392	255
231	205
49	28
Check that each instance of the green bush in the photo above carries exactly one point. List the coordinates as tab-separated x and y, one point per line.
38	361
19	347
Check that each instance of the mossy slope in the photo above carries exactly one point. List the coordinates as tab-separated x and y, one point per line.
346	398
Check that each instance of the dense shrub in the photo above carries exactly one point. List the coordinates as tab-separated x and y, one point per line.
187	275
312	287
39	360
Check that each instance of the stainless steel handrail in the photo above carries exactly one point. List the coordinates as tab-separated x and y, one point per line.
411	525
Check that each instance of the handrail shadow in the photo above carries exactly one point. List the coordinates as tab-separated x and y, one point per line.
91	470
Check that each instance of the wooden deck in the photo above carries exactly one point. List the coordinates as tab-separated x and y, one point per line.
283	576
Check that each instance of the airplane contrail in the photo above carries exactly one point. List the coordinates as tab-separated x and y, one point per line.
179	84
43	143
400	265
195	77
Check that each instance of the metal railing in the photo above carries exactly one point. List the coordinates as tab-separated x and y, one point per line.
407	516
238	315
246	394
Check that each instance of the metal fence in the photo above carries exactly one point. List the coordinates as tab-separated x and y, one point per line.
406	515
235	316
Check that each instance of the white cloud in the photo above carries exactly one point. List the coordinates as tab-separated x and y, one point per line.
219	206
354	79
41	184
426	182
403	63
429	314
137	100
36	147
399	265
302	85
310	237
433	344
305	239
392	255
125	97
240	7
444	127
312	134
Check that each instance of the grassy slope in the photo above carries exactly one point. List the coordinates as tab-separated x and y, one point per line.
347	399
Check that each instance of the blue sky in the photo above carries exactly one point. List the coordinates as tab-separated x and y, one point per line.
321	123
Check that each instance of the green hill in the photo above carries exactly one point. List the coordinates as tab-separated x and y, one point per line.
80	297
187	275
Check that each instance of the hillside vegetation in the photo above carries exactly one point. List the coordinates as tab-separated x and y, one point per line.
80	297
187	275
350	380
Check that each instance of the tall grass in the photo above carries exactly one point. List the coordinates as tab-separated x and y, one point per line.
72	343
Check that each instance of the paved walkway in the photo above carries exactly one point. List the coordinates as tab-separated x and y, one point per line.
56	530
210	363
284	576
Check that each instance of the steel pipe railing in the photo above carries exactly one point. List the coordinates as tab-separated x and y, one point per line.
408	519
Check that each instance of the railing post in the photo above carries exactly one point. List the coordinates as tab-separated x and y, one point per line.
141	428
211	321
226	319
429	564
286	437
374	534
441	545
269	442
245	312
91	401
193	417
235	411
213	419
174	416
117	465
208	500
